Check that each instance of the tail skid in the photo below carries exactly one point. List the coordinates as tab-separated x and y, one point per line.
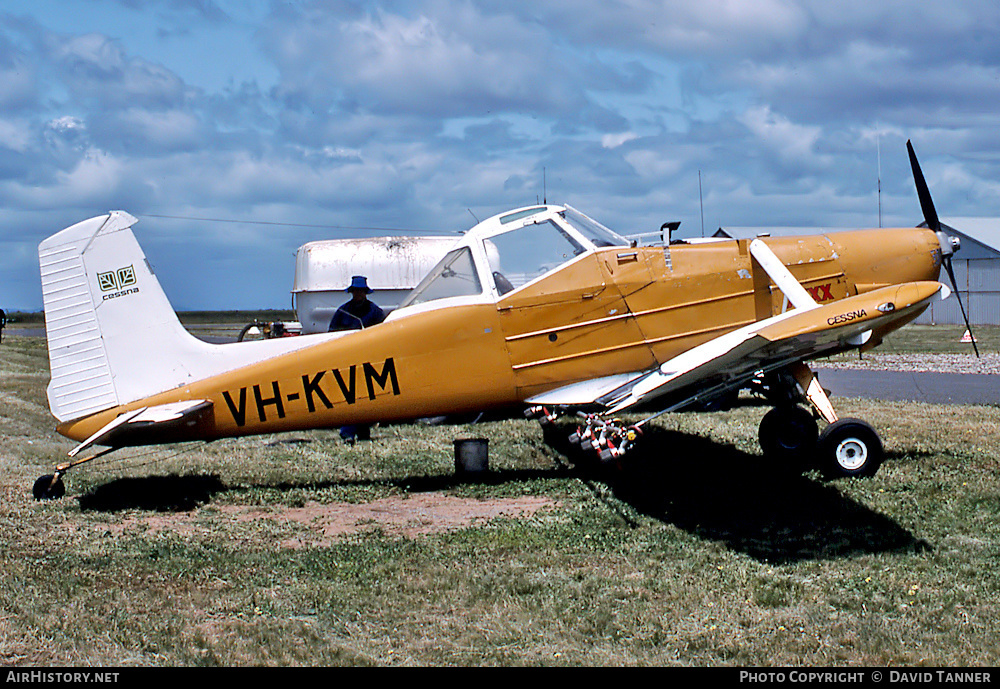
113	337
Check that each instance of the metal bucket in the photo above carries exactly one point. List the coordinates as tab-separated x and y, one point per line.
472	455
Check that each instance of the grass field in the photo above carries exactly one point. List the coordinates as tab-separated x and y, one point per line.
938	339
298	550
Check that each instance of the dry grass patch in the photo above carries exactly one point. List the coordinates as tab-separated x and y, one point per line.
320	524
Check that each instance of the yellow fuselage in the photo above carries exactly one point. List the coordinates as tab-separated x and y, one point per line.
612	311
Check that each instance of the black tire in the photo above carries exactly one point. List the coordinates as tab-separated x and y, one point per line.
47	489
788	434
850	448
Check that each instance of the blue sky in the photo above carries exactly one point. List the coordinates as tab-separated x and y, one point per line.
324	119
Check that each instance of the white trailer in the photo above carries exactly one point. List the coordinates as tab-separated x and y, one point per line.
393	266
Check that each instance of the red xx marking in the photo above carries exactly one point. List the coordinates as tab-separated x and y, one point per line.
821	293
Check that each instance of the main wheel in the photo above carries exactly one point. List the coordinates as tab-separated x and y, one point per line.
850	447
787	433
48	488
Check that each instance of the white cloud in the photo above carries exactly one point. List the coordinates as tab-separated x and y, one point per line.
651	165
96	68
458	62
93	181
15	135
66	124
618	139
159	129
791	142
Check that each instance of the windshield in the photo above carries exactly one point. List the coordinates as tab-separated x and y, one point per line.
453	276
592	230
519	256
518	215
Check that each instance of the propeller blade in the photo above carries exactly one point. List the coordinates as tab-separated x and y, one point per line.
951	275
923	193
931	218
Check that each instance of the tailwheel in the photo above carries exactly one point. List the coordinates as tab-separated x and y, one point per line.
850	447
788	433
49	487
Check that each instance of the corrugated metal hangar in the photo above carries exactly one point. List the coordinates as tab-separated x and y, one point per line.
976	265
977	273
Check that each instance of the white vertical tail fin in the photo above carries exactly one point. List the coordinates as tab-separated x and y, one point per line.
81	377
113	336
106	318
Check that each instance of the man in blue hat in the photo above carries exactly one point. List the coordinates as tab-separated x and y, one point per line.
359	312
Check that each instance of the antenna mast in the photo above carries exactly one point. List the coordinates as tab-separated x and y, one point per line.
701	203
878	150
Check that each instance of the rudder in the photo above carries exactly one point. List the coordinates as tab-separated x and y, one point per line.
112	335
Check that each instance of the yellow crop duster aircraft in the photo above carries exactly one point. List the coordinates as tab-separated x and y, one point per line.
540	306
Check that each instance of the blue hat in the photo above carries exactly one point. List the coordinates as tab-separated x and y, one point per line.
359	282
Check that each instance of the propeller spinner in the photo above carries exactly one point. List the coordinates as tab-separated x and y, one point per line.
948	244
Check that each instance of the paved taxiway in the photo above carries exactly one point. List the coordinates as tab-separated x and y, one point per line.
915	386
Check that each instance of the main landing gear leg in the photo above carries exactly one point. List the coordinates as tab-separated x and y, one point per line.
846	447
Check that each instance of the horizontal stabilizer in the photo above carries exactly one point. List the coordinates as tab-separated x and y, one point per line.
143	425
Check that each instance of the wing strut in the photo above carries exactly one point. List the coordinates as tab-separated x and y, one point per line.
777	271
791	287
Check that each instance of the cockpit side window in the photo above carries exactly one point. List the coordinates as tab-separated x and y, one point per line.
518	257
453	276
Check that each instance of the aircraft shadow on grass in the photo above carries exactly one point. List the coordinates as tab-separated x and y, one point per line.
712	490
719	492
153	493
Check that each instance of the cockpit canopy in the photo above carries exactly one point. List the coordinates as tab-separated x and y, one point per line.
510	250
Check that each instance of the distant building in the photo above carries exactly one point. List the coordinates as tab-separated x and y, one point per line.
977	273
976	265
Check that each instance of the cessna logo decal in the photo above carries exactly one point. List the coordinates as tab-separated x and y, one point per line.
821	293
117	283
846	317
317	391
